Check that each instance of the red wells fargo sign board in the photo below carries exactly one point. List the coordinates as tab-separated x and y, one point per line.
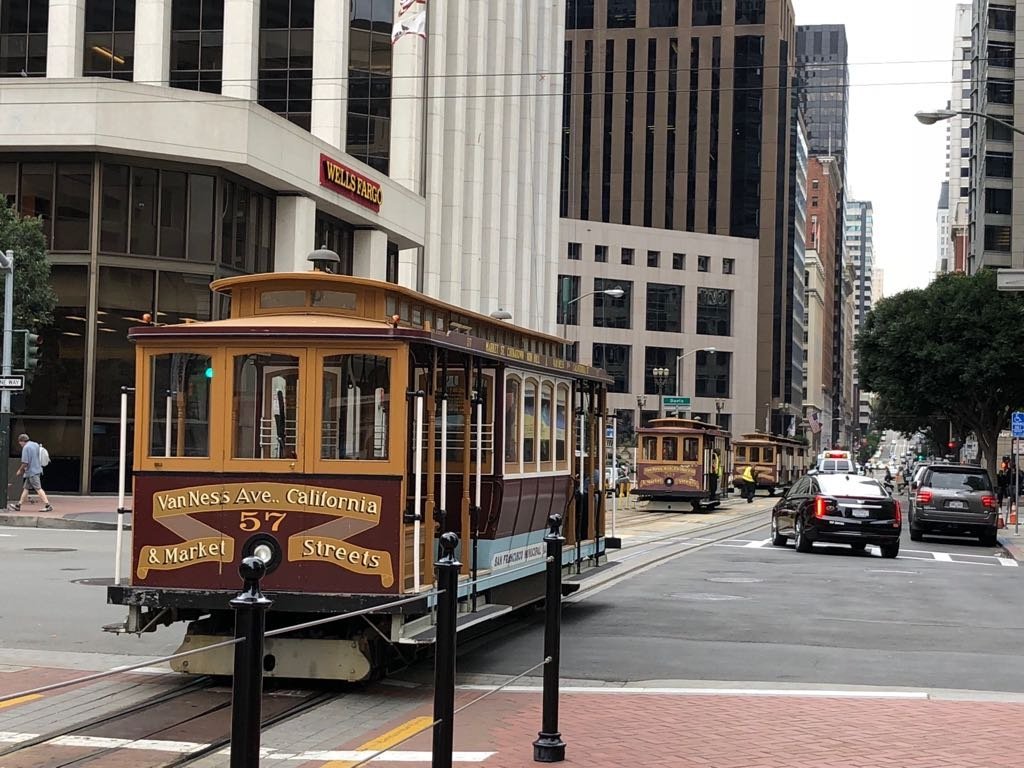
350	183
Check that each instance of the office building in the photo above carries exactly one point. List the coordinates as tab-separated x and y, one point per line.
958	138
677	117
165	143
860	248
943	238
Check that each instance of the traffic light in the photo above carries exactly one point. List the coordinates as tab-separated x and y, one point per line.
951	445
32	352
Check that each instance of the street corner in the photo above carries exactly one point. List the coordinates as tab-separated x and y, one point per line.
1012	544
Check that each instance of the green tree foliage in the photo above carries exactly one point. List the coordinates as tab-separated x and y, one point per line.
951	352
34	299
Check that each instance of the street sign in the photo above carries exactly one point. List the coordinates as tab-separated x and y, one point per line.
12	382
1017	425
677	402
1010	279
609	433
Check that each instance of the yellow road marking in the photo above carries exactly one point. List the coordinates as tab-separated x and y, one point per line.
386	741
20	700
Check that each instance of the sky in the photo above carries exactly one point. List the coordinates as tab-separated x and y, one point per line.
900	63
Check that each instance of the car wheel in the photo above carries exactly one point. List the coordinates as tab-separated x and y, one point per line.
916	534
890	551
778	539
771	491
803	544
989	538
858	546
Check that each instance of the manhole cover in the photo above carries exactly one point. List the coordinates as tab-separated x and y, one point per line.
706	597
735	580
49	549
72	569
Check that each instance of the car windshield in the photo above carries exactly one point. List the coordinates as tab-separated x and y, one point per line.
850	485
832	465
960	481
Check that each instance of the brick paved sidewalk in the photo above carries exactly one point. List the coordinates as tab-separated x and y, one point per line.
603	730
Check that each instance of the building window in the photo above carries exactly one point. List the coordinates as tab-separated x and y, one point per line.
649	133
627	255
750	11
679	261
1000	91
568	312
109	38
998	200
714	312
998	131
965	172
664	308
703	263
997	238
579	14
663	13
707	13
621	14
601	254
23	25
814	202
1000	54
653	258
814	184
713	374
627	144
606	142
197	44
61	195
610	312
999	165
691	144
660	357
575	251
338	236
728	266
286	59
614	359
588	127
748	118
670	132
1002	19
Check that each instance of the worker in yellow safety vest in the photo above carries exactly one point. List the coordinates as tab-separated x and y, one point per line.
749	478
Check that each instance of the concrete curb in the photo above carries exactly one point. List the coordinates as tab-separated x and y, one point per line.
1015	550
62	523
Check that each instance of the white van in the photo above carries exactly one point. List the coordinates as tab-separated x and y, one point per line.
836	462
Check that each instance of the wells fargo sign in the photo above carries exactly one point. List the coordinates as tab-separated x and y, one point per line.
264	506
351	184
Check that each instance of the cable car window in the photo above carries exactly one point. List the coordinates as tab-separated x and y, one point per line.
356	407
179	414
650	448
561	417
512	394
755	455
335	300
545	423
669	449
530	422
280	299
741	452
265	406
690	448
769	455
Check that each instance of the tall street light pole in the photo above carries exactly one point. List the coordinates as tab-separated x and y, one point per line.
679	359
660	380
931	118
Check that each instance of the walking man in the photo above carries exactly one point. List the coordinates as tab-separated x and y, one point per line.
30	471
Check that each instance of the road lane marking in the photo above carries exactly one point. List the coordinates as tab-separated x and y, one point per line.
1005	561
387	740
942	557
20	700
757	544
625	690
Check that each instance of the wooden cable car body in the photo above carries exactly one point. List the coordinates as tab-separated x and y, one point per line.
343	424
682	462
778	460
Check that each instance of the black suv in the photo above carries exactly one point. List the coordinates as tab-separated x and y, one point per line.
956	500
842	509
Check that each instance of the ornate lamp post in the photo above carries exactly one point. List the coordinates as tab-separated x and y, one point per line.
660	380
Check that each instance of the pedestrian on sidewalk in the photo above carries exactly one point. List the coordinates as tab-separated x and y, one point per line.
31	472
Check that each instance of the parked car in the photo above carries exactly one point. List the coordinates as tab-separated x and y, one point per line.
954	499
838	509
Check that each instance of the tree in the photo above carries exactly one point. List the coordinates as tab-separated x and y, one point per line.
34	299
948	352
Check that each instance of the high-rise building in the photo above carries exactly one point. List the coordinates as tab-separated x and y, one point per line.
958	133
860	248
823	88
166	143
678	116
943	241
997	32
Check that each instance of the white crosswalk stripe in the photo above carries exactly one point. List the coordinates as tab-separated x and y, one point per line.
956	558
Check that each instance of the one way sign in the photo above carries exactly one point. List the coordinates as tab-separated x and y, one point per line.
12	382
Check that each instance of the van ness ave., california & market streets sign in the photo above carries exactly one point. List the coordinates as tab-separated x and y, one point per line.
350	183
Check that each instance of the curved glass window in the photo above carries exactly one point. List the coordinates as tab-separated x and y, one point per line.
690	447
530	423
650	451
669	449
512	390
179	413
264	410
561	422
545	423
356	407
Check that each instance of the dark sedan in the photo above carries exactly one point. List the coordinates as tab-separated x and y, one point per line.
838	509
956	500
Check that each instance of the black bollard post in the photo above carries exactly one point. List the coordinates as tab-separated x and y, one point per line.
549	747
247	683
444	652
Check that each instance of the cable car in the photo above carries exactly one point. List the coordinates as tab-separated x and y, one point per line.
778	460
682	462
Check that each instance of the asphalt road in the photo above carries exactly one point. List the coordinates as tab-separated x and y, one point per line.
945	614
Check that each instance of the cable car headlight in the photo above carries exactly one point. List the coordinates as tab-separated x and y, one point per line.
263	552
266	548
669	481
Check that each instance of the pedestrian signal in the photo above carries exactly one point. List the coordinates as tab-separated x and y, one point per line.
32	350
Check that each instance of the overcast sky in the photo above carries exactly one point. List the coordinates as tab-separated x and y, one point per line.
900	62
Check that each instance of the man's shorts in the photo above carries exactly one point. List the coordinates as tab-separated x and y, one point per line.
32	482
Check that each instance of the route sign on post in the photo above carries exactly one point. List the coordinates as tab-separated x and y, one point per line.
12	382
676	402
1017	425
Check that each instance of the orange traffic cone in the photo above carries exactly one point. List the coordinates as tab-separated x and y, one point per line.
1013	515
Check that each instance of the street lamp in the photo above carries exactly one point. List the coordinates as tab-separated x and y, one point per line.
719	405
931	118
680	357
616	293
641	401
660	380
